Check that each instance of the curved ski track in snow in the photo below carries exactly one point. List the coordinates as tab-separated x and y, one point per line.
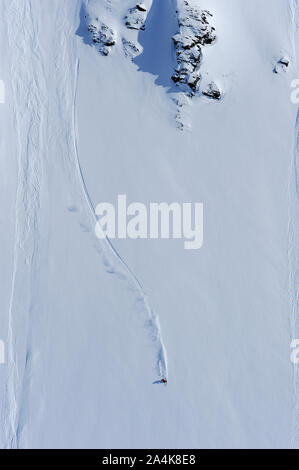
152	319
32	112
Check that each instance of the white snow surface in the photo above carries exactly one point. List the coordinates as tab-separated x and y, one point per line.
90	324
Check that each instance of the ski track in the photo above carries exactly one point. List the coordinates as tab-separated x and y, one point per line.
293	231
152	319
34	134
27	66
28	120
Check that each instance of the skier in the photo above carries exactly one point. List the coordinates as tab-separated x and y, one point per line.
161	381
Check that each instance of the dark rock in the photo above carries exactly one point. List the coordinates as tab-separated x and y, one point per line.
194	32
141	7
102	35
135	19
130	49
281	65
212	91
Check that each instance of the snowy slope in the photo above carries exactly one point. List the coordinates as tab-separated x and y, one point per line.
89	326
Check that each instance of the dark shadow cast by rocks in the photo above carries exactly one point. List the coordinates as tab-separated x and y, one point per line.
158	56
82	30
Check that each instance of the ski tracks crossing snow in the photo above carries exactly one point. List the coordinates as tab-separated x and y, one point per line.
34	109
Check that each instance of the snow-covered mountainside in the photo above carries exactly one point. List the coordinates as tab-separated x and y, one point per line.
160	100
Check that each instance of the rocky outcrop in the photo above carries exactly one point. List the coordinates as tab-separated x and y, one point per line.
136	17
195	32
212	91
131	50
281	65
102	36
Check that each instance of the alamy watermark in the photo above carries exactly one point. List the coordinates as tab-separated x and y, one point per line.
158	220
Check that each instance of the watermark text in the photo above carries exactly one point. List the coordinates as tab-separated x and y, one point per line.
159	220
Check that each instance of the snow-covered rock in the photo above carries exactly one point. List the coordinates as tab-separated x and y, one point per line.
81	337
212	91
131	50
141	7
282	65
195	31
135	19
102	35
